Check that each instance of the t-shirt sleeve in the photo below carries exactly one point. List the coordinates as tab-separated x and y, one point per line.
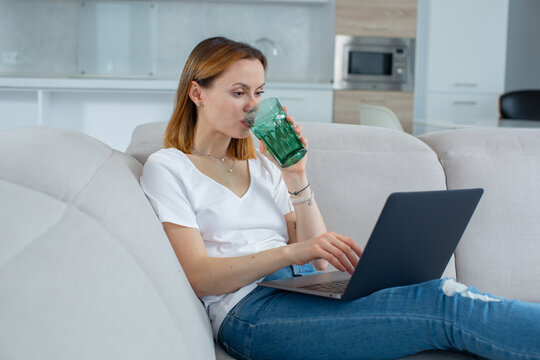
167	193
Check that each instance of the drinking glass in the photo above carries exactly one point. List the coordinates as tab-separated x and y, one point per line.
268	122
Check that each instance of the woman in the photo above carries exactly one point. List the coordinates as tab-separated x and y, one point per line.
227	212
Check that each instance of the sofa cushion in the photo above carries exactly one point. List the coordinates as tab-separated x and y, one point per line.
354	168
499	251
86	270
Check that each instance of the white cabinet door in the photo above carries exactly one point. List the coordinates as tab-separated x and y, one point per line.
467	45
462	109
306	105
18	109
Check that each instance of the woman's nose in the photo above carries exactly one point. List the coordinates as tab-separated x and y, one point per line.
252	101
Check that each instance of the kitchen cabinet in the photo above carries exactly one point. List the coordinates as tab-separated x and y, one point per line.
467	45
18	108
306	104
107	115
109	109
455	109
151	40
461	63
384	18
346	105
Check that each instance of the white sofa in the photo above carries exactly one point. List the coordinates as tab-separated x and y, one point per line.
87	272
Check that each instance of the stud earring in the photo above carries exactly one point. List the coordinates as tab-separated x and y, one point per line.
200	105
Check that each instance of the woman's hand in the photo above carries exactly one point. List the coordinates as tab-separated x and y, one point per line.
340	251
294	175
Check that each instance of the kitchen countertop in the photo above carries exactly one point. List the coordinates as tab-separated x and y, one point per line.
125	84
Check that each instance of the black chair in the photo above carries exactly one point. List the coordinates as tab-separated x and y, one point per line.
522	105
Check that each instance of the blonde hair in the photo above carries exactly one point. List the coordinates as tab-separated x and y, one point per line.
207	61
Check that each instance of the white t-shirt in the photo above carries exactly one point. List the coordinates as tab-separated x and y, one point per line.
229	225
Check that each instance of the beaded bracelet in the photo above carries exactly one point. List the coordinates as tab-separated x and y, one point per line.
303	199
299	191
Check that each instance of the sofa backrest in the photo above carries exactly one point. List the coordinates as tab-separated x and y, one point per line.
352	170
86	270
499	252
146	140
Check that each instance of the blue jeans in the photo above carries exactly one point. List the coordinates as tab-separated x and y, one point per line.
391	323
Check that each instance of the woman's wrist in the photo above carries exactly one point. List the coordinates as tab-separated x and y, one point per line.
288	253
302	199
297	192
296	185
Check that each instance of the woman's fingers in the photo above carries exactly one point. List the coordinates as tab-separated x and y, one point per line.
340	250
347	255
298	131
353	248
345	243
290	119
297	128
334	261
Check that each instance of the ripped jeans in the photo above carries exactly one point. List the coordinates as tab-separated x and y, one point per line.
391	323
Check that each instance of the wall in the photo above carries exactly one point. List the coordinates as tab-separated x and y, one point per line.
523	50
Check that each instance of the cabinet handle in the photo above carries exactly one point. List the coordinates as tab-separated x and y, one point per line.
458	102
374	100
371	27
461	84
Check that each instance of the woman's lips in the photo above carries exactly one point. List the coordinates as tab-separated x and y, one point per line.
244	124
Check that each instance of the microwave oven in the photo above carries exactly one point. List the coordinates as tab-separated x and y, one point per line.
372	63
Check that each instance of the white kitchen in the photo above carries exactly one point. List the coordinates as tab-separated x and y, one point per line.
103	67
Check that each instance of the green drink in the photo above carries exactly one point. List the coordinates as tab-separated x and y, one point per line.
267	121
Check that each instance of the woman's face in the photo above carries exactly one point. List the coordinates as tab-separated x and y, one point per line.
231	95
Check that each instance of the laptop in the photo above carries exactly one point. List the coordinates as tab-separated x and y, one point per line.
412	242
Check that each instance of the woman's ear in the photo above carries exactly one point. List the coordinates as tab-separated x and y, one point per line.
195	93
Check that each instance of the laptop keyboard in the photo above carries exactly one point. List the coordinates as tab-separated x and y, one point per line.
329	287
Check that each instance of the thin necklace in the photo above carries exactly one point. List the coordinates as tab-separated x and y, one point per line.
221	160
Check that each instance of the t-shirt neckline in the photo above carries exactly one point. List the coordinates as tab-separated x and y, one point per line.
217	183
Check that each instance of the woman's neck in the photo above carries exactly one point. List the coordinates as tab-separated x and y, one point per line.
211	142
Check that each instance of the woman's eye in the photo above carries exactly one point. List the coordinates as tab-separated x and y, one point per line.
238	93
259	93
